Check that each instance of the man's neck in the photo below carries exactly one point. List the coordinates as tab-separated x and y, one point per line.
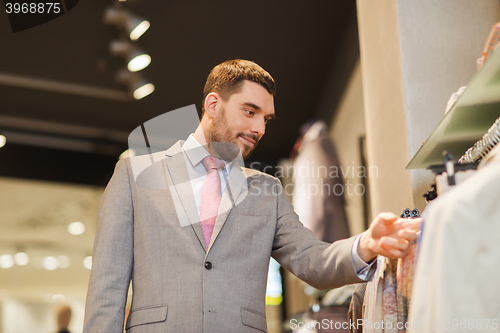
199	136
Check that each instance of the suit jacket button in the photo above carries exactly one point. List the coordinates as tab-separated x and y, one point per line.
208	265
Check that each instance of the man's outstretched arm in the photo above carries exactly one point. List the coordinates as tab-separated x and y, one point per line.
324	265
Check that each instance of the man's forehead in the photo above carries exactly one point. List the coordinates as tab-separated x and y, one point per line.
253	88
254	95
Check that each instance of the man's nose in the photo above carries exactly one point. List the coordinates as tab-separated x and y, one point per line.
259	127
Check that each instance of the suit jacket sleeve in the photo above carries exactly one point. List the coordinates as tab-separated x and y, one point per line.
322	265
112	258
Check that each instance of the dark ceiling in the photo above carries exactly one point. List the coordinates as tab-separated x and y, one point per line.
302	44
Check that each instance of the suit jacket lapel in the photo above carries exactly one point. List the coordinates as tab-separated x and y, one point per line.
182	192
236	187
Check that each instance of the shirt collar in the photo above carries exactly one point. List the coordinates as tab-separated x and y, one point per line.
195	152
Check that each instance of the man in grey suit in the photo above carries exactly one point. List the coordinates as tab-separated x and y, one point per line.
195	277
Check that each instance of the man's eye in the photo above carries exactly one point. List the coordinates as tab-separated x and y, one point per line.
250	112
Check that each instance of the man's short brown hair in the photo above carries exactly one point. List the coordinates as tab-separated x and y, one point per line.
226	79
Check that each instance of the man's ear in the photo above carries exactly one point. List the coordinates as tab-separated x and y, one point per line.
211	102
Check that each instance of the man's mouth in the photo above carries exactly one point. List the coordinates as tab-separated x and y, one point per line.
247	141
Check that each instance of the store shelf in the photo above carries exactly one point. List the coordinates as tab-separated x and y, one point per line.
469	119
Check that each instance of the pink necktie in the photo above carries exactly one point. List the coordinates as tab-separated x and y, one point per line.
210	196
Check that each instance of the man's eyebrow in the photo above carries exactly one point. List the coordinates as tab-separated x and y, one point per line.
256	107
252	105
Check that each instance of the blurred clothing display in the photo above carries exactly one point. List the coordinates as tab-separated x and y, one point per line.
332	319
318	196
339	296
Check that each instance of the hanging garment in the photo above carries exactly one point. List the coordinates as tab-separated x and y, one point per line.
405	274
389	297
318	196
357	308
491	45
338	296
441	180
373	315
455	286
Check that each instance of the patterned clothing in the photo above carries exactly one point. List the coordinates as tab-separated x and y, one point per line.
357	308
389	298
405	273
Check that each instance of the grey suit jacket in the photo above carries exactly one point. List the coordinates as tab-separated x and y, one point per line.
178	284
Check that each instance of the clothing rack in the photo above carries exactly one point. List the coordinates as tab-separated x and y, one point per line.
482	147
469	161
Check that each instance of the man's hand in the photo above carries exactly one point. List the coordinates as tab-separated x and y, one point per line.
389	236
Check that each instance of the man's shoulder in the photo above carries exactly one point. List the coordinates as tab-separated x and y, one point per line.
252	173
147	158
142	161
147	164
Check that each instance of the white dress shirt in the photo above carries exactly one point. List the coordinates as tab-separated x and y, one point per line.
194	153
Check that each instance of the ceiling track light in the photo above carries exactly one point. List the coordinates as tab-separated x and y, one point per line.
134	25
136	58
137	84
3	140
21	258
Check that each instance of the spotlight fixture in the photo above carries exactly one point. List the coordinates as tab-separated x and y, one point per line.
3	140
21	258
127	153
50	263
76	228
6	261
134	25
142	89
58	298
64	261
135	57
137	84
87	262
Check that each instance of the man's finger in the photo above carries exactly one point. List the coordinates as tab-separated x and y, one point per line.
395	254
387	218
409	235
392	253
413	224
384	253
392	243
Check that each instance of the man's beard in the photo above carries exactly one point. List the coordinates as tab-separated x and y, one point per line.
220	132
